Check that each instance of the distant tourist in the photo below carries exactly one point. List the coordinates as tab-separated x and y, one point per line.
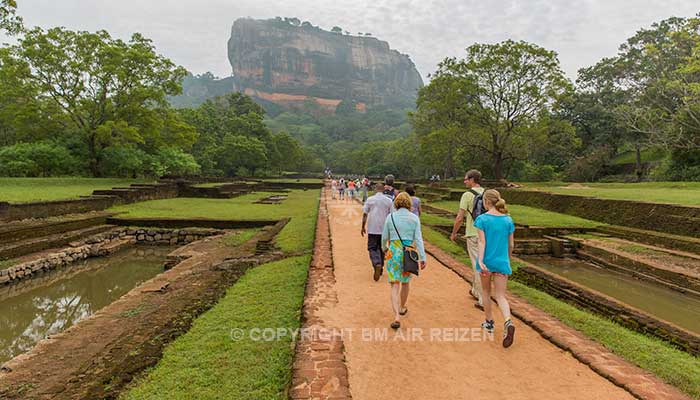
365	188
401	229
351	190
389	190
341	188
375	209
415	201
496	243
334	189
470	207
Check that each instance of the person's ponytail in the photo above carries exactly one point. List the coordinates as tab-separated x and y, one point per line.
501	206
494	197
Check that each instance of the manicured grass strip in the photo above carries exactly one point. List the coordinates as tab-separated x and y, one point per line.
243	236
674	366
683	193
433	219
300	205
292	180
23	190
532	216
206	363
441	241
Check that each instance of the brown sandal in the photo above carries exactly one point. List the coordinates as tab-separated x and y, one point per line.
395	325
404	311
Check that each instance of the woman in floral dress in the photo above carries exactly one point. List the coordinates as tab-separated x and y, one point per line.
402	223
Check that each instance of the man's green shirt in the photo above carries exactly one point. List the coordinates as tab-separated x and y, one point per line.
467	204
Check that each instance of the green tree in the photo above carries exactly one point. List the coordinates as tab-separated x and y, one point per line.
492	102
235	114
286	152
10	22
112	92
239	151
443	118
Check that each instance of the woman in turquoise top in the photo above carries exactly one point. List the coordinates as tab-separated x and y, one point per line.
495	229
408	227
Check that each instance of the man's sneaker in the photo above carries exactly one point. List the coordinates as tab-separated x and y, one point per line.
377	272
508	333
488	325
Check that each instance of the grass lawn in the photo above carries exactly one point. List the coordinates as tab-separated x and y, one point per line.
674	366
22	190
243	236
301	206
532	216
648	155
292	180
433	219
207	363
684	193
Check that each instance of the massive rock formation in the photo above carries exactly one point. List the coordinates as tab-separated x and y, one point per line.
287	64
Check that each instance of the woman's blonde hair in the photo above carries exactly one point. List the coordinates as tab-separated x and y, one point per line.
403	200
494	198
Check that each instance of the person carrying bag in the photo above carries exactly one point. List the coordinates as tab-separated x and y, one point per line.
404	258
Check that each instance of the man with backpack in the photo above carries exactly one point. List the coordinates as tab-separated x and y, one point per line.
471	206
389	190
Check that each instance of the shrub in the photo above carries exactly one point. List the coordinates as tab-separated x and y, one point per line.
36	159
176	162
589	167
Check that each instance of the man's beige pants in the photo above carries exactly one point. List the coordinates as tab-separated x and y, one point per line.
473	250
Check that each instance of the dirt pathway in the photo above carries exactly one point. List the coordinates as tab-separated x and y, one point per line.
439	352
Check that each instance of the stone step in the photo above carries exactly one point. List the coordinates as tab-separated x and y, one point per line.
31	245
667	240
21	230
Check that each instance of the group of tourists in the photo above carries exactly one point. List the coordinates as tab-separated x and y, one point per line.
348	189
391	221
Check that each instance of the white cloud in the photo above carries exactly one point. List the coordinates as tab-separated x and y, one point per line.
194	34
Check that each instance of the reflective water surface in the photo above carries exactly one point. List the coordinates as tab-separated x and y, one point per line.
53	301
659	301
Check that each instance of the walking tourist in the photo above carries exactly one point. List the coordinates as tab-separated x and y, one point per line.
401	231
334	188
351	190
415	201
389	190
470	207
375	209
365	188
341	189
495	229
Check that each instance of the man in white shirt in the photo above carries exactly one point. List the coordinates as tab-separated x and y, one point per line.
376	209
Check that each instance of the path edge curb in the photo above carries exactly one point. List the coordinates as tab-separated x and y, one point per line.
319	370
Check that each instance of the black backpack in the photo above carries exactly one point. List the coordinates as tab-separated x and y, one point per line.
478	205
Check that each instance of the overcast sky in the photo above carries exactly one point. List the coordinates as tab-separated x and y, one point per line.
194	33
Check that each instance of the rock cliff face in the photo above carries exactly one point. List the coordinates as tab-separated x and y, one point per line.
276	61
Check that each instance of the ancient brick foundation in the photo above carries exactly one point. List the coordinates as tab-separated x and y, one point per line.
667	218
102	245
